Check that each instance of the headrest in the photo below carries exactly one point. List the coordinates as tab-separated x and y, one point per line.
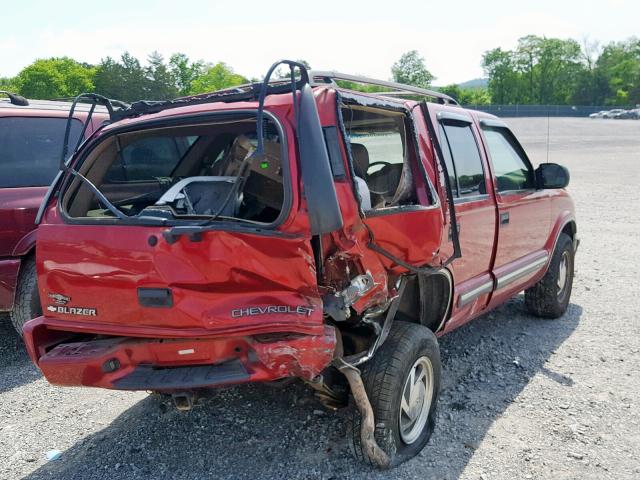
360	159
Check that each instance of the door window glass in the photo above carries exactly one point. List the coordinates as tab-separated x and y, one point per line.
511	170
461	153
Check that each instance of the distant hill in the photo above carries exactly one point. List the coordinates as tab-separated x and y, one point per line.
475	83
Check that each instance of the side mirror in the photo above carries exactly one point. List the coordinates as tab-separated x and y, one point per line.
552	175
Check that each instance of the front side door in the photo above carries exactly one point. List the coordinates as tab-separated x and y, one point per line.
523	212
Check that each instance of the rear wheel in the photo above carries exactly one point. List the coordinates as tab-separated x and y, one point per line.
27	302
549	297
402	381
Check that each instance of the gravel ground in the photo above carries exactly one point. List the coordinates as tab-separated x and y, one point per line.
522	398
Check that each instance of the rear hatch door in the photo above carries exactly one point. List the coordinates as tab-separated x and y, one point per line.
133	281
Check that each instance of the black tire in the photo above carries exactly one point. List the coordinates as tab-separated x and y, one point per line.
384	378
27	301
546	299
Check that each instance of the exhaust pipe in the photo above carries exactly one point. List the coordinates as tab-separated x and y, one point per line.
367	425
183	401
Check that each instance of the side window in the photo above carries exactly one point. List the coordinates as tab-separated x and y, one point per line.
30	149
379	147
451	169
463	159
149	158
512	171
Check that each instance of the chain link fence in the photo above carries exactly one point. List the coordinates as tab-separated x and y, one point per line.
543	110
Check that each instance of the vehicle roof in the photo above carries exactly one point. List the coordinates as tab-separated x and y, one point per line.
50	105
278	99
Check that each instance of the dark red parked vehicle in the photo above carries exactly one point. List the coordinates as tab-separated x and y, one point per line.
31	138
295	229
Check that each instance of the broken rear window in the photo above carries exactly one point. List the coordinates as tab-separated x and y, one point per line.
381	160
183	172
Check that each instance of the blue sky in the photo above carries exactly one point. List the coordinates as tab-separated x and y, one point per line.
363	37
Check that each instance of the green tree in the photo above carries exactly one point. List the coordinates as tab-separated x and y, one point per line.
467	96
619	68
410	69
499	66
558	66
590	85
55	78
122	80
216	77
539	71
9	84
160	80
452	90
184	72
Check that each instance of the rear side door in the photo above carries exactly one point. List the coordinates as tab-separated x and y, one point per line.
401	210
475	212
523	212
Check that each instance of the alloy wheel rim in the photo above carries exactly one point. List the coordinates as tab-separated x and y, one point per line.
563	270
415	402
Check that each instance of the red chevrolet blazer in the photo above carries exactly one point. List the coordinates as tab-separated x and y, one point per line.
295	228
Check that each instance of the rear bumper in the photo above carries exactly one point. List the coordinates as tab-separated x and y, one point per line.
170	364
9	269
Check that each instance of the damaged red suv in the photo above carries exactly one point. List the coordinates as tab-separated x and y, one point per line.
295	229
31	140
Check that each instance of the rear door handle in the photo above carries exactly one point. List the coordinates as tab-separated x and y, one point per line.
504	218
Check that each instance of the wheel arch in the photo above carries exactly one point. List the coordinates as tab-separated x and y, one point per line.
570	228
12	272
26	245
565	224
427	299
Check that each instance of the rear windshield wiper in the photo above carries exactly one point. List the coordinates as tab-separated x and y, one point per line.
119	214
143	196
243	169
107	204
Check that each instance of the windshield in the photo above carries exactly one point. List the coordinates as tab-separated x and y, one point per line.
184	172
30	149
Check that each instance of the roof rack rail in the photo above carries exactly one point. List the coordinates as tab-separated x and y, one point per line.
324	77
246	92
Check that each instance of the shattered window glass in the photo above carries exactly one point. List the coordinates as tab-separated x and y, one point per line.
377	139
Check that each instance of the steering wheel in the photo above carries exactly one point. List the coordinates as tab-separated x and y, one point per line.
375	164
